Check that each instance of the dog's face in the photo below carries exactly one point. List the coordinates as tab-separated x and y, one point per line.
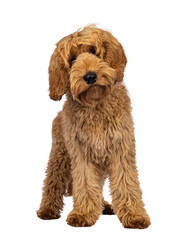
88	63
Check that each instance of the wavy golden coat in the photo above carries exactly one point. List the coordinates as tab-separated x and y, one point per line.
93	136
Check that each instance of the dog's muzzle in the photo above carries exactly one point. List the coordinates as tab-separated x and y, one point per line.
90	77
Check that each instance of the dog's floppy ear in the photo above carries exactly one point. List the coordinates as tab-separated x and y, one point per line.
115	55
58	76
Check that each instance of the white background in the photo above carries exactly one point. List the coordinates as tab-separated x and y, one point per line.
151	33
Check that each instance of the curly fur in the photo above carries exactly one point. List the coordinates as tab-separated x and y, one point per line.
93	136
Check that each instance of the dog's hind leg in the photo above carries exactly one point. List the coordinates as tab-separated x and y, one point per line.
57	176
69	187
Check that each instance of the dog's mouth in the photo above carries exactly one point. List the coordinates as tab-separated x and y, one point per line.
93	94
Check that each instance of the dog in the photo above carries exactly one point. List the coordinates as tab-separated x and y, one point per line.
93	136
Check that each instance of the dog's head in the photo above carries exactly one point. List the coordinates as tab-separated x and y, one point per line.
88	62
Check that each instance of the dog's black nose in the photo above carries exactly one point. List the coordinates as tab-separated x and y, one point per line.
90	77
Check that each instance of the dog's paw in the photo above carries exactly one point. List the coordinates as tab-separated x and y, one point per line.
136	221
48	214
107	209
80	220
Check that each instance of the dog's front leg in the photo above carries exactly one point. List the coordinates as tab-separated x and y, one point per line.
124	183
87	194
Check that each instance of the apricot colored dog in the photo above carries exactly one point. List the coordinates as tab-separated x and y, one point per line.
93	136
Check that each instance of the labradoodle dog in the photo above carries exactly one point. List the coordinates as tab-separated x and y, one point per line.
93	136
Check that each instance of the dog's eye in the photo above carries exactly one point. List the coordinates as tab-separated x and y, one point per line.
72	59
92	50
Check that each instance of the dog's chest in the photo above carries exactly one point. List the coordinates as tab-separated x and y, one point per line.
98	132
